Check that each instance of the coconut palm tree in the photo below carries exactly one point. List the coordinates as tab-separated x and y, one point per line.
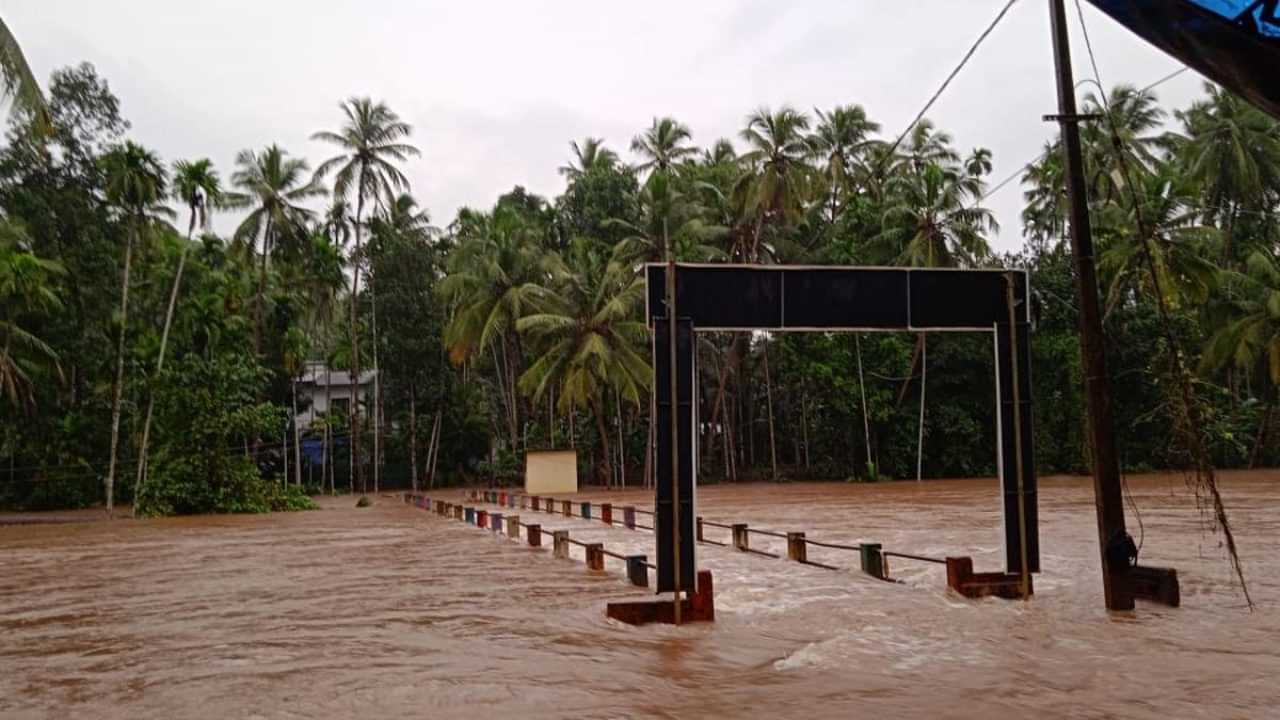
274	185
839	143
492	274
586	319
1176	240
26	289
1125	144
370	143
197	185
665	208
590	155
932	222
17	82
1231	150
663	145
777	185
137	185
1251	340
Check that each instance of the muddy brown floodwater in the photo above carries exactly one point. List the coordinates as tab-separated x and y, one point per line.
393	612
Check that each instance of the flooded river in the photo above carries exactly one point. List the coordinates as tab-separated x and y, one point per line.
393	612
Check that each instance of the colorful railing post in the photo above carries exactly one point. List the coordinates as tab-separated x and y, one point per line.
797	549
533	533
606	513
471	516
586	511
482	518
629	516
495	522
595	556
536	503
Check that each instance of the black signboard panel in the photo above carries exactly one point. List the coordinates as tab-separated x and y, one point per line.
724	296
955	299
844	298
685	361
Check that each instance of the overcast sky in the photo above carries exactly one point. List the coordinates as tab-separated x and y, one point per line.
496	90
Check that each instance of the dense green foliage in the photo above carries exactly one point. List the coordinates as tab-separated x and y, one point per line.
160	364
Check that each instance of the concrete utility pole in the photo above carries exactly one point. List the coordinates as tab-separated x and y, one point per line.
1116	582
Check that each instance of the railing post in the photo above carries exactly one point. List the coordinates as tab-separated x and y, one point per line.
595	556
606	513
637	571
457	512
482	518
698	529
741	540
873	560
797	549
586	511
513	526
511	500
629	517
524	502
533	533
567	507
471	516
536	504
560	540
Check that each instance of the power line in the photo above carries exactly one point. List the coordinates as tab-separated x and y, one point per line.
963	61
1046	152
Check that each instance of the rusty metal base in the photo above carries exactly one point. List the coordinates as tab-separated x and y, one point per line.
1156	585
698	607
962	579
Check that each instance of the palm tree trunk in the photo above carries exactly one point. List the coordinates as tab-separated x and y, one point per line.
602	468
804	426
260	301
433	452
862	394
326	457
768	390
377	381
413	437
164	343
622	448
118	391
1261	440
924	373
357	467
297	437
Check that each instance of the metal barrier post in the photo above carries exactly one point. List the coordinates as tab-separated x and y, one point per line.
606	513
560	540
873	560
637	570
629	517
698	528
586	511
533	533
471	516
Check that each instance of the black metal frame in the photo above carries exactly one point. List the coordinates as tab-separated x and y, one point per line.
843	299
